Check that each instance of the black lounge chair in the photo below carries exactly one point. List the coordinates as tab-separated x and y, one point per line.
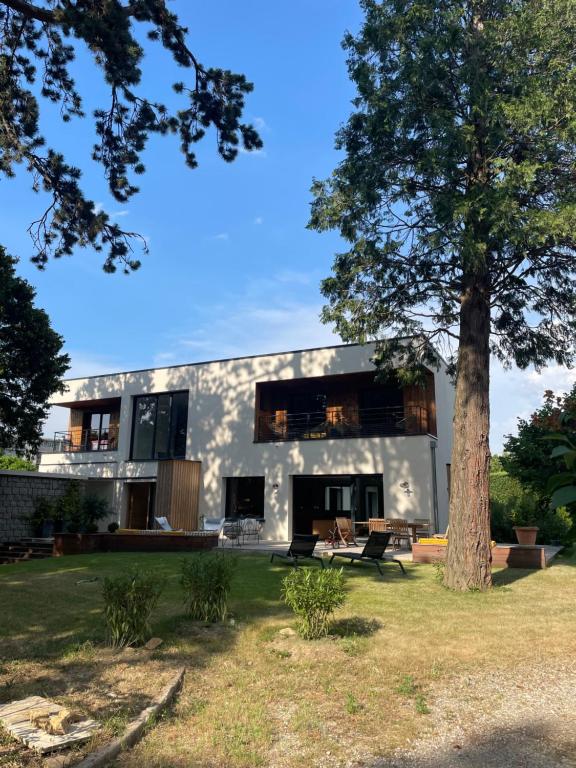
302	547
373	551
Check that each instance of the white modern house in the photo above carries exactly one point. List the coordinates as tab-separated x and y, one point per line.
294	437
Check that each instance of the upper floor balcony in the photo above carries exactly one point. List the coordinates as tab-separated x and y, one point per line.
344	406
93	426
78	440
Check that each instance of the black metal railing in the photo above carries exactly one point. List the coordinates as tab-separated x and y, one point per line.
76	440
342	423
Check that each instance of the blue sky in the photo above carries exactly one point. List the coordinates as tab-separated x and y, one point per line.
232	269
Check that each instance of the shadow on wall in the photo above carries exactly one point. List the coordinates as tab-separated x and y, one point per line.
221	423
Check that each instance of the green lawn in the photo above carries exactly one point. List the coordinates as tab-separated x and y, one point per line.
255	697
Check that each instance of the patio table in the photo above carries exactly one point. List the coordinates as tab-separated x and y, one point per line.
414	528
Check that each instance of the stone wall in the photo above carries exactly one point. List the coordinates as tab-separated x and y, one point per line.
18	492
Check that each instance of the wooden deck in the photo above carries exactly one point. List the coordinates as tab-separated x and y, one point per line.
503	555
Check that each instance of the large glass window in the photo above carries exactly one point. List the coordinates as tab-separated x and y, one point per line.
159	426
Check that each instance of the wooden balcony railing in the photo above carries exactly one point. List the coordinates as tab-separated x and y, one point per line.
337	422
77	440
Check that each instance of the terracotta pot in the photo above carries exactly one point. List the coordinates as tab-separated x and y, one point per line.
526	534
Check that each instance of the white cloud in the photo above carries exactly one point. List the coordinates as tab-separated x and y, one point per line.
516	394
221	236
99	207
272	314
258	220
260	124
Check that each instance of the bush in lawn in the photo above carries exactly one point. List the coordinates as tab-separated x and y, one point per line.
129	601
206	580
314	595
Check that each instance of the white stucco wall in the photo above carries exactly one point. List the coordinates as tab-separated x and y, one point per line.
221	434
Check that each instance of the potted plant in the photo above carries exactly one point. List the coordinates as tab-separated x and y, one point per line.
45	520
525	517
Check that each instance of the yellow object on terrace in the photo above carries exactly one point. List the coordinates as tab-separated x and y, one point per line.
143	531
444	542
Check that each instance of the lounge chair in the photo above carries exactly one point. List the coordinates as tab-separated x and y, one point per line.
373	551
345	531
165	527
301	547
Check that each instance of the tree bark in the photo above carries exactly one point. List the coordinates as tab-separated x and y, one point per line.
469	556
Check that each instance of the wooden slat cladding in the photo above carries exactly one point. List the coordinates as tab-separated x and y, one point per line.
177	493
76	424
420	402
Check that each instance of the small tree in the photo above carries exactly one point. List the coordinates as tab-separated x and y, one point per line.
456	196
129	601
314	595
31	362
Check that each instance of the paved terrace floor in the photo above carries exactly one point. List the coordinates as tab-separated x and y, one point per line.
321	548
325	550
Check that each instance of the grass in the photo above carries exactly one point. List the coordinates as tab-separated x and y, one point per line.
254	696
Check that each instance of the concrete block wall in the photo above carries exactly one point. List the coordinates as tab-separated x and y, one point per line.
18	494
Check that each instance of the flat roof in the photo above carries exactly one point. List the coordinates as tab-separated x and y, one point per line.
229	359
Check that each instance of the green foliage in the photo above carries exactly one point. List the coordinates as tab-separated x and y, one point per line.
407	686
37	64
68	507
421	705
314	595
528	456
206	580
353	706
456	180
31	366
77	512
44	510
17	463
511	505
129	601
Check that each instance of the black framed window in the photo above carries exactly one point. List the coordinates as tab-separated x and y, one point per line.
159	426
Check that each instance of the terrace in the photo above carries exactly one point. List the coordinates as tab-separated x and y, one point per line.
344	406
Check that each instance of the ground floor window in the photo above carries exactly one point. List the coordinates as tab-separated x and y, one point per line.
318	498
244	497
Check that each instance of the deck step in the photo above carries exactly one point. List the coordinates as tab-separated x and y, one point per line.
24	549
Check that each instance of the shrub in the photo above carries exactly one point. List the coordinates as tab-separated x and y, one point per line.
16	463
314	595
206	580
129	601
113	527
94	508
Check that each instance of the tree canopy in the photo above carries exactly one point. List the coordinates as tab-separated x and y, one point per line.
528	454
457	201
38	43
31	362
459	161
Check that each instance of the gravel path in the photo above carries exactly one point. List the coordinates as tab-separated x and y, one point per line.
512	719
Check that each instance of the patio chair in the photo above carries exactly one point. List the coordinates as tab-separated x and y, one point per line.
345	531
251	527
423	526
232	530
377	524
400	532
373	551
301	547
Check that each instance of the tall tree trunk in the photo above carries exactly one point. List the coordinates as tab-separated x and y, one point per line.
469	556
